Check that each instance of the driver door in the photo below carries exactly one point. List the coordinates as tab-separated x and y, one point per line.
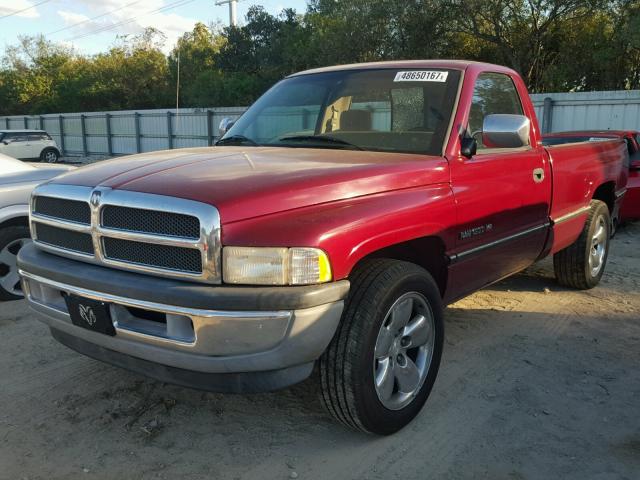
501	210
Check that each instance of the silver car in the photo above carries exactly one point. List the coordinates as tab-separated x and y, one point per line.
17	180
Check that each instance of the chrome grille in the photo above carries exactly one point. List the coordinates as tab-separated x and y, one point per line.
61	238
150	221
70	210
153	234
172	258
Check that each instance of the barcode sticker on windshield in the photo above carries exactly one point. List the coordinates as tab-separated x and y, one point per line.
421	76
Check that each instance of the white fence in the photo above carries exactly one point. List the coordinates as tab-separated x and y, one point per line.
614	110
125	132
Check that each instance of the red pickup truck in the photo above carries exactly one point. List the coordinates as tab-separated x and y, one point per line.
328	228
630	208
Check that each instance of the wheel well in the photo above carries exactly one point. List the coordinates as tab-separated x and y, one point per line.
15	222
427	252
57	150
607	193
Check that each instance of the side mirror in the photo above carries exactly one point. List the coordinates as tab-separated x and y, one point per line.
634	161
505	131
468	147
225	124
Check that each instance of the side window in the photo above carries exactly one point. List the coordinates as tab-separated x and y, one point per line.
493	93
37	137
14	137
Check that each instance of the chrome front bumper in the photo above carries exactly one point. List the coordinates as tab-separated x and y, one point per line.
193	339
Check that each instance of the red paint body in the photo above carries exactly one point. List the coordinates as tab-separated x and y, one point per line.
355	203
630	208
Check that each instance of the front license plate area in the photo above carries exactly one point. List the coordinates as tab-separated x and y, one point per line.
90	314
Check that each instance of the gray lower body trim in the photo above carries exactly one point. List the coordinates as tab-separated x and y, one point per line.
496	243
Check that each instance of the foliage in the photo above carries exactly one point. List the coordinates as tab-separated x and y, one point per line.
557	45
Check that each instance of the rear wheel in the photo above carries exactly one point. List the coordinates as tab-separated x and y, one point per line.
12	239
49	155
581	265
382	363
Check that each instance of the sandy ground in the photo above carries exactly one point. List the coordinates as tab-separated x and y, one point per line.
537	382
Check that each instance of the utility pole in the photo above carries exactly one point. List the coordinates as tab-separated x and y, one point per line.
233	21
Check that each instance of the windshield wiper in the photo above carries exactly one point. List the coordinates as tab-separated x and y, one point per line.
321	139
237	140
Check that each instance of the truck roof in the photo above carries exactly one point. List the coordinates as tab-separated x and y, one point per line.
448	64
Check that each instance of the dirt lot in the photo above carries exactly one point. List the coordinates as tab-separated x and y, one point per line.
538	382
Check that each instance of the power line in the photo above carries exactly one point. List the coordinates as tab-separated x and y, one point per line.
170	6
68	27
106	28
24	9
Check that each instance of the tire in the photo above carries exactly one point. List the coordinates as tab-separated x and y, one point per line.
11	240
581	265
348	369
49	155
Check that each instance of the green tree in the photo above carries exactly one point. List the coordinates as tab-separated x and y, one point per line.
557	45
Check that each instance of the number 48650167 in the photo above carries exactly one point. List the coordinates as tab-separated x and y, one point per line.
421	76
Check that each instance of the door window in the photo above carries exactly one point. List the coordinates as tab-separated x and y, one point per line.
14	137
494	93
38	137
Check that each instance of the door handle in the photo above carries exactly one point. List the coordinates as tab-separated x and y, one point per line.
538	175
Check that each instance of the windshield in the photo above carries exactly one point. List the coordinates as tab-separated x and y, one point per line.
406	111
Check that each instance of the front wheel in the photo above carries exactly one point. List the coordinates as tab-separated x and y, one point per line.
49	155
12	239
581	265
382	362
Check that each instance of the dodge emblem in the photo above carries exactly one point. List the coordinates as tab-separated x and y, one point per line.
95	198
87	314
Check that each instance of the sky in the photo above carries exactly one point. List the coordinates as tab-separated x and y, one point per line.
75	22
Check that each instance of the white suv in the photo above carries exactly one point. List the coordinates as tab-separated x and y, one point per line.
29	145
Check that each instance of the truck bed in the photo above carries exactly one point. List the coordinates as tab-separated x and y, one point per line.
578	168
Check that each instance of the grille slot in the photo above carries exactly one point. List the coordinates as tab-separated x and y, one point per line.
151	221
66	239
152	255
64	209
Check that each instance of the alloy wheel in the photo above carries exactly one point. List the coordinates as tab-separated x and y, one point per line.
403	351
598	247
9	278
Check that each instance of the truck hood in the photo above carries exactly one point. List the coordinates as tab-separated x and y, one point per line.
249	182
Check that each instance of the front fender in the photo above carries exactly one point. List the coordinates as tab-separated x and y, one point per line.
13	211
348	230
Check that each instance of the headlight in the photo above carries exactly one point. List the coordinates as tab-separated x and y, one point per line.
275	266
